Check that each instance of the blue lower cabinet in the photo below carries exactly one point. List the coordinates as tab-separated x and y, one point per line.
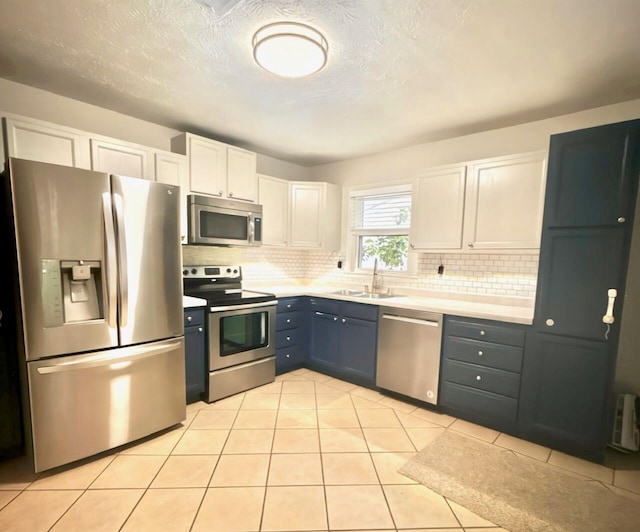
343	339
480	371
291	337
195	353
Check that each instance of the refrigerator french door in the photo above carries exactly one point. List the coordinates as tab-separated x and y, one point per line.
101	326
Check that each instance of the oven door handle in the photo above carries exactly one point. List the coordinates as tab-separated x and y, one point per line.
271	303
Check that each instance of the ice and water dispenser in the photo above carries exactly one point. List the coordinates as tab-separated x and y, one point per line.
71	291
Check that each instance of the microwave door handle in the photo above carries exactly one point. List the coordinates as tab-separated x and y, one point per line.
252	228
110	260
122	263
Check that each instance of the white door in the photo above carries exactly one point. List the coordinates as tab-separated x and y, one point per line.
306	213
505	203
121	159
242	180
437	210
273	195
47	143
207	166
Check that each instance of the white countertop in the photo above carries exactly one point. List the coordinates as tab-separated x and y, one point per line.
192	302
457	306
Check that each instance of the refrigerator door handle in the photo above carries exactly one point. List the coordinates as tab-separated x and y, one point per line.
120	359
111	261
122	263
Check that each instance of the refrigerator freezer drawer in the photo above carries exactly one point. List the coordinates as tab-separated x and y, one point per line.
85	404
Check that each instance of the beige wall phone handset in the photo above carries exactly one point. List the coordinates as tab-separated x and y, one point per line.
608	318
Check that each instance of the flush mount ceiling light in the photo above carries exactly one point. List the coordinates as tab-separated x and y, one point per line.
290	49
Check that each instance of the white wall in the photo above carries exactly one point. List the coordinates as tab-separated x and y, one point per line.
407	162
36	103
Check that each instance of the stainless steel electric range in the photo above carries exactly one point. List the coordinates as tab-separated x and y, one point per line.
240	329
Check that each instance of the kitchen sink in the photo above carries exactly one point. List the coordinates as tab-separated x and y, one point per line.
347	292
364	295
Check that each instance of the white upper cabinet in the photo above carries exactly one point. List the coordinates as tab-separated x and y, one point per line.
438	209
315	215
123	158
492	204
505	202
217	169
273	195
40	141
242	181
171	168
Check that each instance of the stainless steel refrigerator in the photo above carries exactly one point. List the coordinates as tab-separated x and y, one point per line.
99	299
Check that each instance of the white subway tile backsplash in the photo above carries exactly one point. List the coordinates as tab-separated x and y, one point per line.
508	275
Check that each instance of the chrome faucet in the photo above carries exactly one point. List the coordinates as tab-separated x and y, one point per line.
375	282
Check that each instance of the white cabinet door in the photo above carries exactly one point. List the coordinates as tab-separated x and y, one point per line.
437	209
315	215
505	201
121	159
306	210
273	195
242	181
172	169
208	166
49	143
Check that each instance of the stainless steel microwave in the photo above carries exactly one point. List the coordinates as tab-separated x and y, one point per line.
223	222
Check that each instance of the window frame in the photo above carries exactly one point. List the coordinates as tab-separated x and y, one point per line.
353	234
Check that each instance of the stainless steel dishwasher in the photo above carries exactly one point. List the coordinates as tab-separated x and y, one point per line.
409	352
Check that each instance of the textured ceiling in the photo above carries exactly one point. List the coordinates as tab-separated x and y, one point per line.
399	72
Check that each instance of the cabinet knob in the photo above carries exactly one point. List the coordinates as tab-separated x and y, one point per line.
478	378
480	353
288	338
470	244
289	305
221	193
344	320
412	246
288	320
189	318
231	194
199	329
622	220
335	319
482	333
550	323
288	356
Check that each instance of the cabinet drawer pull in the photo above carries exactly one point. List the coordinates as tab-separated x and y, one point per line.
480	353
288	320
344	320
478	378
482	333
288	338
199	329
288	356
335	319
231	194
289	305
189	318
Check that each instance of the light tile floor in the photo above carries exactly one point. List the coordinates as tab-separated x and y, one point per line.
306	453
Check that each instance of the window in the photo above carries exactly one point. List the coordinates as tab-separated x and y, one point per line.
380	228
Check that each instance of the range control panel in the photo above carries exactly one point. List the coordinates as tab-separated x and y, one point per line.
212	272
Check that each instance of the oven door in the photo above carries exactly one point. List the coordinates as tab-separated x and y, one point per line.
241	333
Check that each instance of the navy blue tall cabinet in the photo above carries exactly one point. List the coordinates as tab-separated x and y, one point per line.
570	353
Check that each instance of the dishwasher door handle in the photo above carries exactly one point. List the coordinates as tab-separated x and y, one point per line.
416	321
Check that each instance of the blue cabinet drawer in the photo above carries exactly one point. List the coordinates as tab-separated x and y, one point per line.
482	378
359	310
287	320
289	304
497	356
328	306
499	334
287	338
497	410
193	318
